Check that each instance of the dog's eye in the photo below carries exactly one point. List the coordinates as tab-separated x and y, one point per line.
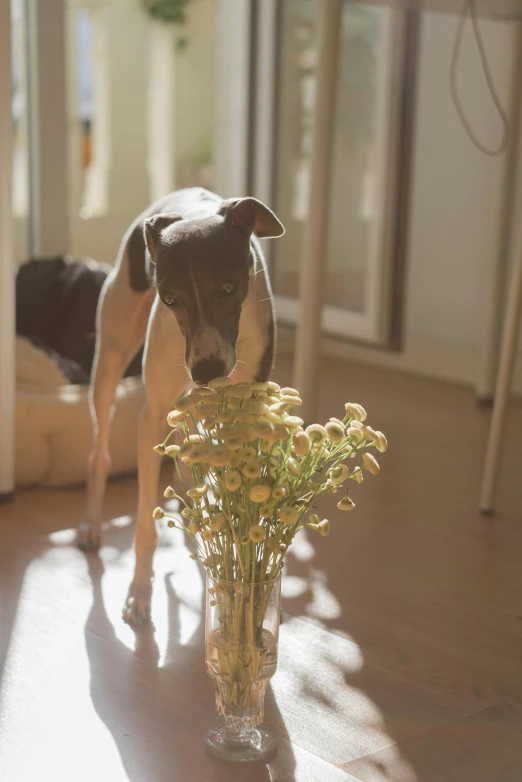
170	301
226	289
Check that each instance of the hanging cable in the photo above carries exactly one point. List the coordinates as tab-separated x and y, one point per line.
469	5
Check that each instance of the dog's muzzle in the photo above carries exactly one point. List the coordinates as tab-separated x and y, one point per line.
206	370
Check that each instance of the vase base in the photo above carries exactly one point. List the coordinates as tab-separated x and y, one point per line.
261	748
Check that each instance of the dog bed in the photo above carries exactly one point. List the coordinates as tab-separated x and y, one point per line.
56	304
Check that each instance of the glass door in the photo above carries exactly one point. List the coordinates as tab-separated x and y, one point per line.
365	200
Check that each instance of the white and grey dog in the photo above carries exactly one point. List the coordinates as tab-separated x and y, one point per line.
192	284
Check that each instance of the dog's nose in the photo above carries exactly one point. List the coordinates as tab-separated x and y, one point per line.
205	371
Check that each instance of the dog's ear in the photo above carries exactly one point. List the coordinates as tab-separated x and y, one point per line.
152	228
249	214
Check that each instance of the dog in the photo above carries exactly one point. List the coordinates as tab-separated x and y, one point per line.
191	284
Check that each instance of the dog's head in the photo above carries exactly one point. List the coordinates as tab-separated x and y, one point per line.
203	267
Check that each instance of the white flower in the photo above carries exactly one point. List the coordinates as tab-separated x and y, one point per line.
225	417
355	411
172	450
335	432
233	441
355	433
371	463
198	453
382	442
197	492
244	417
240	391
260	492
302	444
273	387
217	521
313	518
256	533
219	456
175	417
294	466
316	433
158	514
160	448
336	421
232	480
205	411
183	403
289	391
291	401
219	382
262	427
339	474
256	407
247	452
358	475
293	421
251	469
197	438
281	432
288	514
346	504
278	493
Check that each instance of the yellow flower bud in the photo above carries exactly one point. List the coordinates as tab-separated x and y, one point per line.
197	492
159	449
256	533
217	521
219	456
260	492
232	480
219	382
158	514
172	450
346	504
169	492
288	515
251	469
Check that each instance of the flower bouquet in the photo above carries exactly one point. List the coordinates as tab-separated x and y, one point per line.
257	475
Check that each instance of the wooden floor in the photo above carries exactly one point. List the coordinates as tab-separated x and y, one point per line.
401	647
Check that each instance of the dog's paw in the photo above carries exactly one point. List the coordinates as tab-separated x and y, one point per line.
88	536
136	610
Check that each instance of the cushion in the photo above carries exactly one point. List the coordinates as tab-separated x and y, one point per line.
53	423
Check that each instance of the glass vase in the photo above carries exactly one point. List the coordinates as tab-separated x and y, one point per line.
242	637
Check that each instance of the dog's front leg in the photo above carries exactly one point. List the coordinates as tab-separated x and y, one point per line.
165	379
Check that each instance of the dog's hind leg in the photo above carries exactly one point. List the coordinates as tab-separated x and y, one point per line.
121	327
165	379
